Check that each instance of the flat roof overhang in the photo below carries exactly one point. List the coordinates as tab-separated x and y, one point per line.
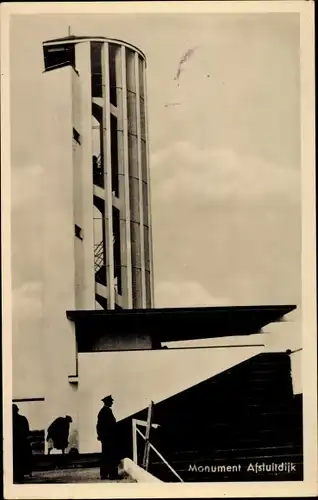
178	324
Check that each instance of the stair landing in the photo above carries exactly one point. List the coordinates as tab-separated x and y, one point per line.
72	475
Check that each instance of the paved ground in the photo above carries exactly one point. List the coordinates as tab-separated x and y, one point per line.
79	475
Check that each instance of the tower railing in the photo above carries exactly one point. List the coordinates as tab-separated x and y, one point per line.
98	256
148	444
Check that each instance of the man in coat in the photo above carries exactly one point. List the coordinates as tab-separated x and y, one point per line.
106	434
58	432
22	452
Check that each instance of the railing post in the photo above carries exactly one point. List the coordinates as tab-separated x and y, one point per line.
134	441
145	462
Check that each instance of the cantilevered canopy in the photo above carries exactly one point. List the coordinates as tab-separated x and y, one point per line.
172	325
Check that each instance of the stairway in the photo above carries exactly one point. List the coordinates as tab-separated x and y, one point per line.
244	415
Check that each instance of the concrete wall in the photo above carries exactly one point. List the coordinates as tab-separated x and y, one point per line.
82	101
285	335
77	147
136	378
59	360
117	341
34	411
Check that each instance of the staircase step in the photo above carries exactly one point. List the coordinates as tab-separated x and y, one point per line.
202	455
224	452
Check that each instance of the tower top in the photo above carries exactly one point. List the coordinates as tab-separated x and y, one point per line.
74	39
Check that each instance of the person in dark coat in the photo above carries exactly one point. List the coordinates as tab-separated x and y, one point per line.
106	434
58	433
22	452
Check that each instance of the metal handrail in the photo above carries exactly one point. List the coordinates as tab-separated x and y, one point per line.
145	461
160	456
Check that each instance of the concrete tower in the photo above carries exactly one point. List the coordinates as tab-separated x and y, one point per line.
113	262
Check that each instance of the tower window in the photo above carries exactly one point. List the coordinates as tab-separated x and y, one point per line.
98	145
96	69
101	301
58	56
76	136
78	232
114	154
99	244
98	171
112	74
141	76
116	242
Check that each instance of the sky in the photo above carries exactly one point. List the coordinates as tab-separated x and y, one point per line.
224	162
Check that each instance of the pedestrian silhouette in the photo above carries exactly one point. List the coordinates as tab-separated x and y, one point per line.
106	434
22	452
58	433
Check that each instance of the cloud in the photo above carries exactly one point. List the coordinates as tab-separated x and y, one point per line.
185	294
186	172
228	221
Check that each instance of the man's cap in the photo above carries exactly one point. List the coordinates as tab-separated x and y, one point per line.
108	398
